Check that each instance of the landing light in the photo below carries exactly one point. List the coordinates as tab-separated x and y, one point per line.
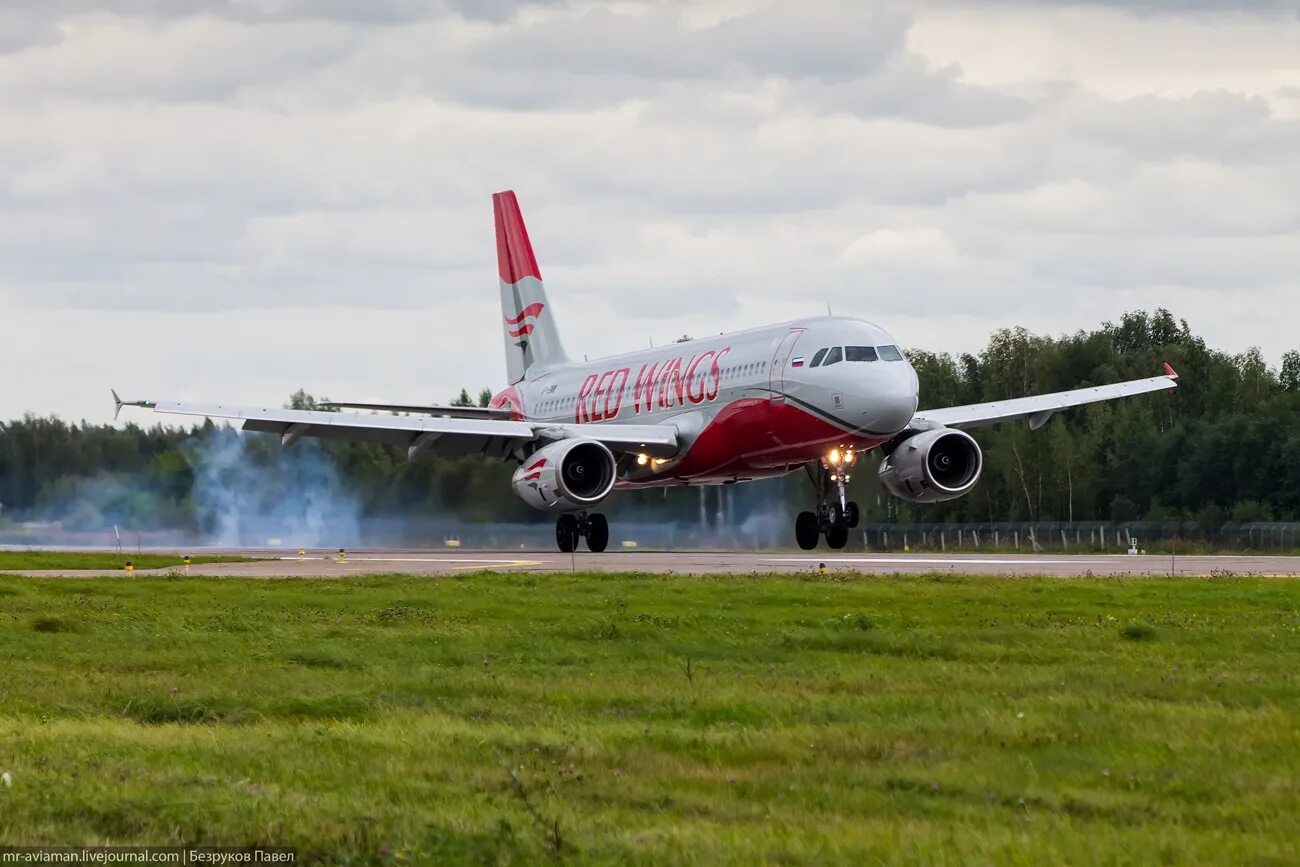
834	457
642	459
849	457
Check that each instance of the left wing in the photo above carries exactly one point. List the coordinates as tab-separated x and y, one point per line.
453	436
1040	408
421	409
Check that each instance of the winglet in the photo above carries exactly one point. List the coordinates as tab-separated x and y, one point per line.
118	403
1170	372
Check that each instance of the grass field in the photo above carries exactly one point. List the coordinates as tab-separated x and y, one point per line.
94	560
601	719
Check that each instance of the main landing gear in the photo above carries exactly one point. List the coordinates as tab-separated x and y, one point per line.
835	514
593	527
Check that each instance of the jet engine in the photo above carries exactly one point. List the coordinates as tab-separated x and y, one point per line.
568	476
932	466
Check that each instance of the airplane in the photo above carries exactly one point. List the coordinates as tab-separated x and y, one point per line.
811	395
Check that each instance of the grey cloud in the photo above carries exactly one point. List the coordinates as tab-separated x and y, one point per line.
778	39
20	29
1143	7
379	12
1179	6
906	87
1227	127
110	58
1239	267
811	39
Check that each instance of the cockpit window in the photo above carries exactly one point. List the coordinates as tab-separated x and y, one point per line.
890	353
817	359
835	356
859	353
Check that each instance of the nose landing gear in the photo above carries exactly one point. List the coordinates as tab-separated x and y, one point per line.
593	527
836	514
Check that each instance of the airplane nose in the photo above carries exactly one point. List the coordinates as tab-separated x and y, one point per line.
891	407
895	412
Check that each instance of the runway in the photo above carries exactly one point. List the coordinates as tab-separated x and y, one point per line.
327	564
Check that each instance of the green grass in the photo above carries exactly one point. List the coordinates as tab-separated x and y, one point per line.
614	719
37	560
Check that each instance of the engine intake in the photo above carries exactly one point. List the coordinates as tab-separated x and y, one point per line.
933	466
568	475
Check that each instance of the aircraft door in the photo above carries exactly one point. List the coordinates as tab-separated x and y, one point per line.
780	361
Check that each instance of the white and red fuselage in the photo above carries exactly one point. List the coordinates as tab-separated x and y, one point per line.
749	404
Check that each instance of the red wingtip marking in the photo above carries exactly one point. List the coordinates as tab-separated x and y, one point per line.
1170	372
515	259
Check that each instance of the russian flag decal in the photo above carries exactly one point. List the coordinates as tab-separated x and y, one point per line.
797	362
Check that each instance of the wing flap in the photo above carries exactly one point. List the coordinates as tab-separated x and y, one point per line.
448	411
266	419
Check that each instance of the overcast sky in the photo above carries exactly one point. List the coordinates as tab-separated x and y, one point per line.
226	201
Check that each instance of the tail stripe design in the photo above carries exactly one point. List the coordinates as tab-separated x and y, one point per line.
531	310
531	338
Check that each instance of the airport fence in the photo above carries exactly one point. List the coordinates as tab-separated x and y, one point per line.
1081	536
757	532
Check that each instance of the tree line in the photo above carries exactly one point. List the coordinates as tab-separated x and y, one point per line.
1225	446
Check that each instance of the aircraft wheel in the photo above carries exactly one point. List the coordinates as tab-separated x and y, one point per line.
852	515
566	533
806	530
834	515
837	536
597	533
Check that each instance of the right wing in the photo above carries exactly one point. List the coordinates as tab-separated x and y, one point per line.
1039	408
452	436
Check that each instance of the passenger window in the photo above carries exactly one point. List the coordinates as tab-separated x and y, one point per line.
817	359
859	353
835	356
890	353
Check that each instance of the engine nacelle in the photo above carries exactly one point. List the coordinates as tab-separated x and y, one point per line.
567	476
932	466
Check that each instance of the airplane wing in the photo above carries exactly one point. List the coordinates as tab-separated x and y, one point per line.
449	411
1039	408
453	436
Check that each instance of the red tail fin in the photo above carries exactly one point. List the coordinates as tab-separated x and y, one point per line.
528	322
515	259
